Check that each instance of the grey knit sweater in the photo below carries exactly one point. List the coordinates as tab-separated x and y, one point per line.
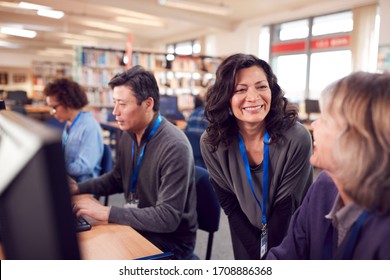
165	185
290	175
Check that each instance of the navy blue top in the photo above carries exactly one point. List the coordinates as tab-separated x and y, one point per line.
308	229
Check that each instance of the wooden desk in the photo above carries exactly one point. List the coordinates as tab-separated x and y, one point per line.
40	112
114	242
37	109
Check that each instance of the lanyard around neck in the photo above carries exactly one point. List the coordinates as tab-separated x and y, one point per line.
265	174
65	136
134	176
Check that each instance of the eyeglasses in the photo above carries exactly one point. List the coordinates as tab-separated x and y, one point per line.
54	108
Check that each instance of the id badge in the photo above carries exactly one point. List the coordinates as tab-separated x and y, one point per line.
263	242
133	203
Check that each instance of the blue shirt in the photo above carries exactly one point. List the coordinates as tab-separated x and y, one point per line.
197	121
83	147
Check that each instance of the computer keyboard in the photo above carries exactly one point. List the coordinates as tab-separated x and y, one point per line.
81	224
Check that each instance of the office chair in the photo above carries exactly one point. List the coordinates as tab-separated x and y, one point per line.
106	164
194	139
208	208
53	122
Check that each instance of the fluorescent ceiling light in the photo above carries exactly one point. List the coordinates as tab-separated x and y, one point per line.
31	6
6	44
44	11
197	6
18	32
147	22
50	13
9	5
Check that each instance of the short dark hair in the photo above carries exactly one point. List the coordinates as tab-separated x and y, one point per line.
141	82
68	93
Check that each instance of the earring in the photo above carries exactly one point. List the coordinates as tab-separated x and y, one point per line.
230	112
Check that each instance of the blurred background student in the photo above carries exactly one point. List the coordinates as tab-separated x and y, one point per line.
197	122
346	213
82	136
256	152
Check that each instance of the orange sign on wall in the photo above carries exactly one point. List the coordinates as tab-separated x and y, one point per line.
335	42
315	44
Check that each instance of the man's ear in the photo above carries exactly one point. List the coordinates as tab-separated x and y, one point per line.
149	102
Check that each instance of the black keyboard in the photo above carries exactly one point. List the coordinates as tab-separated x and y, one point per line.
81	224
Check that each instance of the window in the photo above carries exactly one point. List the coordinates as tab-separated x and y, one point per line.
185	48
308	54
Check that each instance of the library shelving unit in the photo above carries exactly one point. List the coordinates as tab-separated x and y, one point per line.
45	72
180	75
94	67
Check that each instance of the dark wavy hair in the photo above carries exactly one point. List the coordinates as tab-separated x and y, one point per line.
141	82
67	92
222	126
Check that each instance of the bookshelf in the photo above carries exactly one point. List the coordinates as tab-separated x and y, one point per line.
182	75
45	72
94	67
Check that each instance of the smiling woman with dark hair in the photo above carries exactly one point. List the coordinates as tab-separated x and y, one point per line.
256	152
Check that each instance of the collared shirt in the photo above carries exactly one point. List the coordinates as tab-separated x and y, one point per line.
343	217
197	121
83	148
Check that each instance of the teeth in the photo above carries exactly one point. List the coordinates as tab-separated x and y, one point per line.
253	108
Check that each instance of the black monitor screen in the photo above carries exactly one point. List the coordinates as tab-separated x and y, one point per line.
17	97
36	220
312	106
169	107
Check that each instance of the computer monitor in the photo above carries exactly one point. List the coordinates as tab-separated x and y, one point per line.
169	107
312	106
17	97
36	220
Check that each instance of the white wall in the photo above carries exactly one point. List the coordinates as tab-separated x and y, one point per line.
245	38
384	10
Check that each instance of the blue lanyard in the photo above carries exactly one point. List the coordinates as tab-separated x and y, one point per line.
265	174
351	242
65	136
134	176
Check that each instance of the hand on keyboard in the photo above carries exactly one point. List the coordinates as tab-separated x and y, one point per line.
81	224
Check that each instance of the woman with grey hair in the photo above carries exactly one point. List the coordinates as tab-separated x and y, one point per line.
346	212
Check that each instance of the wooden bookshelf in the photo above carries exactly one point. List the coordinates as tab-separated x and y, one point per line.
184	76
45	72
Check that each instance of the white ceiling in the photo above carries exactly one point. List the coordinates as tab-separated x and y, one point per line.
83	17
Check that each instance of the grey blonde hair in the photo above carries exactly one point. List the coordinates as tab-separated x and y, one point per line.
362	101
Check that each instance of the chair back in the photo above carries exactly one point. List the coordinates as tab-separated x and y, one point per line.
194	139
107	161
208	207
53	122
106	164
